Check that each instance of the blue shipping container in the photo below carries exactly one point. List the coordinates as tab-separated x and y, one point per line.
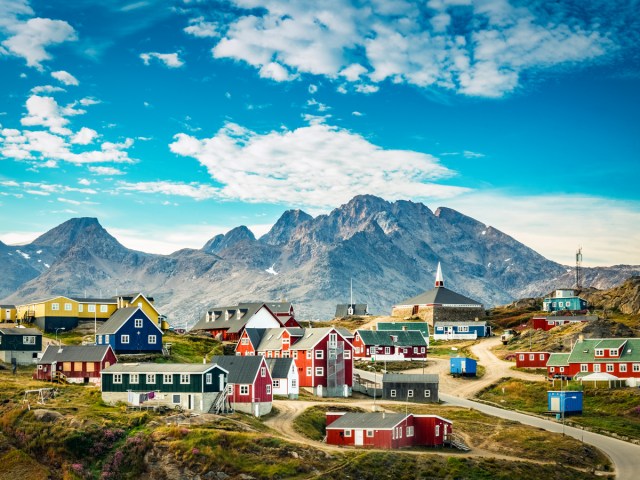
566	401
463	366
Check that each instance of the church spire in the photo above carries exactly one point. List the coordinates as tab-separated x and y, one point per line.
439	279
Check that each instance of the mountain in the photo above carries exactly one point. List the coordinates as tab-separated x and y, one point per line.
389	249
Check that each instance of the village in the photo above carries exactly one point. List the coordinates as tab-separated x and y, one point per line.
434	350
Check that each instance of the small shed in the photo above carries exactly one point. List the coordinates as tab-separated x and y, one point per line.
410	387
463	366
565	401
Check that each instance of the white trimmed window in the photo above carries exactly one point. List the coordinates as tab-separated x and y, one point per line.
295	354
623	367
309	354
521	356
55	306
268	389
138	323
103	309
636	367
462	329
599	352
319	354
561	369
308	371
29	340
124	339
319	371
244	341
410	431
387	350
393	394
208	378
244	389
532	357
596	367
552	369
427	394
347	354
91	308
67	307
167	378
437	430
423	349
151	339
286	341
184	378
263	372
294	383
106	339
80	308
176	398
369	433
542	356
117	378
613	352
276	384
410	393
347	433
134	378
584	367
151	378
609	367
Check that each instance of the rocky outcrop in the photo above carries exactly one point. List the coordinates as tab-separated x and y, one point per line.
624	298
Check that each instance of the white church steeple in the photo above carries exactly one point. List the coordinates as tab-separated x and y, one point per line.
439	279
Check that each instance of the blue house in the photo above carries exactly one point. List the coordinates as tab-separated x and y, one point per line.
464	366
564	402
130	330
564	300
451	330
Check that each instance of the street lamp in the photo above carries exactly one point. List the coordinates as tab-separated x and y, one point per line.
59	328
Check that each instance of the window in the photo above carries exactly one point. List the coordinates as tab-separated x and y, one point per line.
393	394
609	367
369	433
66	366
176	398
90	367
636	367
67	307
138	323
276	384
151	378
521	356
29	340
427	394
552	369
309	354
333	339
286	341
309	371
532	357
294	383
347	355
347	433
613	352
542	356
387	350
184	378
584	367
268	389
134	378
244	341
230	389
117	378
561	369
244	389
80	308
151	339
596	367
295	354
423	349
410	393
399	432
55	306
124	339
319	354
269	354
319	371
263	372
462	329
103	309
409	431
167	378
437	430
285	354
623	367
208	378
77	366
91	308
599	352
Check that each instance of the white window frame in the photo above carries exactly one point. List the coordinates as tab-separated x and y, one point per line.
369	433
584	367
541	356
208	378
623	367
151	339
552	369
117	378
463	329
134	378
104	308
309	371
393	393
124	339
137	323
599	352
596	368
427	394
437	430
268	389
244	389
521	356
613	352
29	340
263	372
319	354
319	372
410	393
244	341
68	307
347	355
80	308
410	431
55	306
309	354
347	433
635	367
167	378
532	357
610	368
91	308
185	378
150	378
276	384
387	350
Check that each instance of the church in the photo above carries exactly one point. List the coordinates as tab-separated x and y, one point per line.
439	304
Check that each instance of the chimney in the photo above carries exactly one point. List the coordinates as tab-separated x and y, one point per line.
581	338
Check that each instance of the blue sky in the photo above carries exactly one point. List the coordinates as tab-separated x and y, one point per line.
174	121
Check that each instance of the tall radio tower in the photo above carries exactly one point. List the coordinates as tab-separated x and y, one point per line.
579	269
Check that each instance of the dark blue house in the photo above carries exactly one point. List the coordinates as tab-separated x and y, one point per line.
464	366
451	330
129	330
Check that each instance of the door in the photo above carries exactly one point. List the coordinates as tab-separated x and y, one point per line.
190	402
221	382
359	437
463	366
555	404
7	314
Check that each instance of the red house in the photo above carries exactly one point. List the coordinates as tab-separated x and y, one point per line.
532	359
228	323
323	356
387	430
74	363
552	321
249	383
390	345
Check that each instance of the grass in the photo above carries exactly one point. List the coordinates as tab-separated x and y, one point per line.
614	411
379	366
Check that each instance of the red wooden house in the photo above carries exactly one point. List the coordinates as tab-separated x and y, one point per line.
546	323
387	430
323	356
75	363
532	359
249	383
390	345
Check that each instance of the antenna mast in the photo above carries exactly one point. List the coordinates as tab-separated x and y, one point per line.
579	268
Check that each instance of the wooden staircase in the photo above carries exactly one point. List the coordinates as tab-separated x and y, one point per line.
59	377
456	441
221	403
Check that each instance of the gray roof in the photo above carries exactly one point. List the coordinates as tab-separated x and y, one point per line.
441	296
410	378
7	306
570	318
255	336
459	323
242	370
160	368
312	336
118	319
359	309
279	367
368	420
93	300
383	338
235	324
74	353
20	331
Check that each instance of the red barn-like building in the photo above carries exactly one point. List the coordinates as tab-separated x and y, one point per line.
387	430
75	363
552	321
532	359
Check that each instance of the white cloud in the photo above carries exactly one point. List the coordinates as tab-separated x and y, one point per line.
107	171
313	89
608	234
45	111
473	48
85	182
30	39
191	190
47	89
65	77
198	27
281	167
171	60
84	136
88	101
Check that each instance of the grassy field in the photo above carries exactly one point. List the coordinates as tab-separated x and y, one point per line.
608	411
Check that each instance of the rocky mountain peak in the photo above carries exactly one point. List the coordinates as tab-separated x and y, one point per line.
281	232
229	239
84	230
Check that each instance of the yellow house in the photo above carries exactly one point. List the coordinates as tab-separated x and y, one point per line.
7	313
139	300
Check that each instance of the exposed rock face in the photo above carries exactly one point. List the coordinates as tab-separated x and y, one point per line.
390	250
624	298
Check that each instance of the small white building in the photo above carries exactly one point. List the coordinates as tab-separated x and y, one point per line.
284	375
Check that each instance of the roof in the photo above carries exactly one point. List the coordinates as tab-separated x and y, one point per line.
584	351
20	331
599	376
279	367
160	368
74	353
118	319
242	370
226	318
568	318
422	327
384	338
93	300
410	378
255	336
131	296
359	309
459	323
312	336
441	296
558	360
7	306
368	420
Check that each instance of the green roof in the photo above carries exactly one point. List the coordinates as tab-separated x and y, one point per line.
403	338
612	343
558	360
422	327
585	351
